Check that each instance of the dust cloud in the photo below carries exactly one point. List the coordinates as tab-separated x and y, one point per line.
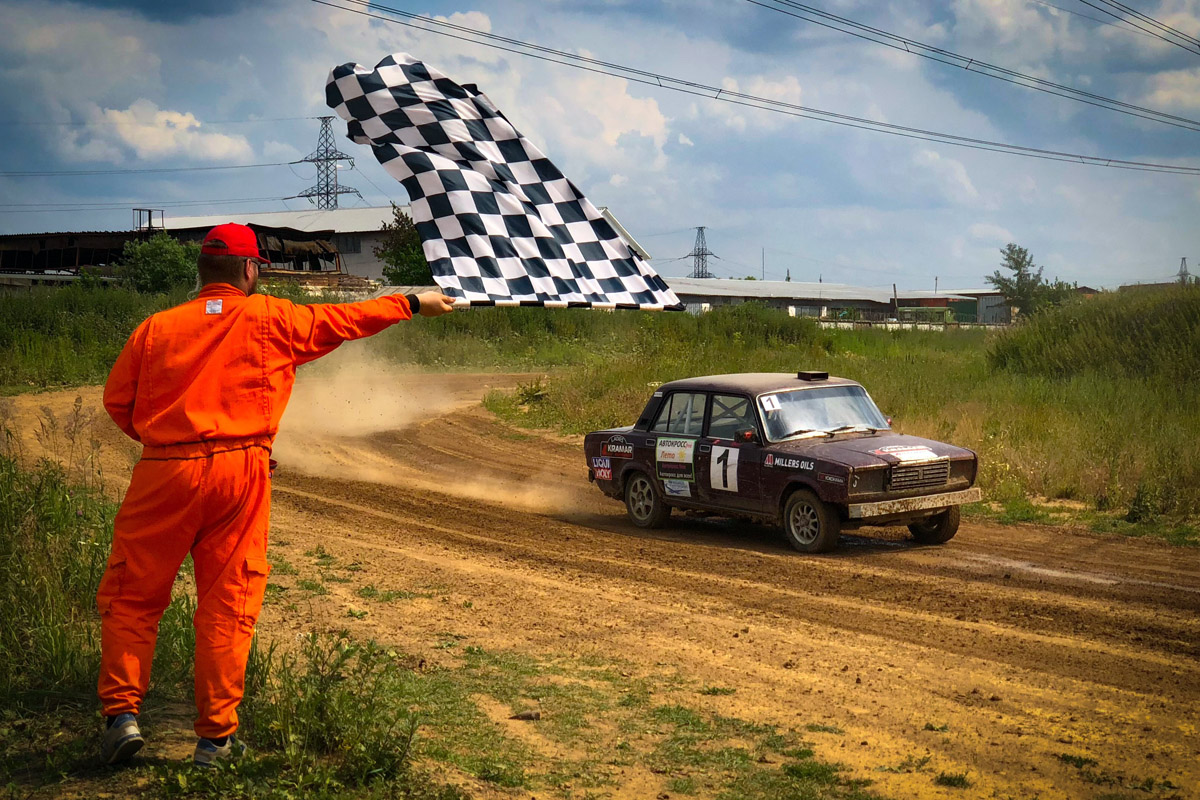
340	403
338	411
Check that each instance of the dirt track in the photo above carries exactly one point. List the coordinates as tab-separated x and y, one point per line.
1025	643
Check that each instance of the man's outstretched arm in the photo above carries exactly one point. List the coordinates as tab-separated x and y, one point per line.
318	329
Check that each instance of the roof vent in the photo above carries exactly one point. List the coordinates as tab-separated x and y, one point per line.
808	375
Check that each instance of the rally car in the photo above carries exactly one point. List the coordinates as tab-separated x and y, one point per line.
808	451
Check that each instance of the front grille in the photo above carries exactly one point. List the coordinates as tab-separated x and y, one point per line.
920	476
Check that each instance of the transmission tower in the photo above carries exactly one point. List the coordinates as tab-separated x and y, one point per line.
326	158
700	254
1183	274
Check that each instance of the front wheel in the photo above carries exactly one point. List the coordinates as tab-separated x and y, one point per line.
810	525
646	509
938	529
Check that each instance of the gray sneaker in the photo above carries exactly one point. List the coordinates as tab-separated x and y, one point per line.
208	752
121	739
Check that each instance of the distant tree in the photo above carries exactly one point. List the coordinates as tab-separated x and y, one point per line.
400	251
1025	288
749	278
158	264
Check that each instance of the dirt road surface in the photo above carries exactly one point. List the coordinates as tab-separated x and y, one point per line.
993	655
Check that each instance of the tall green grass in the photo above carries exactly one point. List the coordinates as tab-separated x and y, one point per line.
1151	334
68	336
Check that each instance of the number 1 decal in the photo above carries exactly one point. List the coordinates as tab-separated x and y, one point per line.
722	470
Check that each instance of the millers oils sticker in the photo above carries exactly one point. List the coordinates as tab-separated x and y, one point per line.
674	458
617	447
772	460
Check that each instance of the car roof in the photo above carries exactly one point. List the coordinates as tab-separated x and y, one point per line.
751	382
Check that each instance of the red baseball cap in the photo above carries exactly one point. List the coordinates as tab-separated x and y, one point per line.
232	239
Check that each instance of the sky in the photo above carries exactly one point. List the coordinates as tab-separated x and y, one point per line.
141	84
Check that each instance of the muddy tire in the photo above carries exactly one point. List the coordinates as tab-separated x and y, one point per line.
646	509
809	525
938	529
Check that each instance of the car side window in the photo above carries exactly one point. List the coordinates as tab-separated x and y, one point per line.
730	413
682	412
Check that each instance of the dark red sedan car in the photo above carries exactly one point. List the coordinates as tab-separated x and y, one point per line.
807	451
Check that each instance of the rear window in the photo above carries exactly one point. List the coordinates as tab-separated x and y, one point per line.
681	412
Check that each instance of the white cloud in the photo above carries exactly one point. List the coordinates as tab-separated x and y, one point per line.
949	176
738	117
280	151
154	133
1178	89
684	140
987	232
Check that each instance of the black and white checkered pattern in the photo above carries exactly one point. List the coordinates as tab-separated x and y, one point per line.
500	225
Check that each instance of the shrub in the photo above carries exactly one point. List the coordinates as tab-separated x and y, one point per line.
159	264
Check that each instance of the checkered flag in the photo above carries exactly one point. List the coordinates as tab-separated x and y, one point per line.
500	225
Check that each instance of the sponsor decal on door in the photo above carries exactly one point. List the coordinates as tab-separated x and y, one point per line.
674	458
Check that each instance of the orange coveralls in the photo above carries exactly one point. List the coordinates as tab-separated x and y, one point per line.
203	386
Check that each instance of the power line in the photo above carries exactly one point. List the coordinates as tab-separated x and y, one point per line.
1134	22
744	99
943	56
1114	25
126	207
9	208
199	122
1187	37
56	173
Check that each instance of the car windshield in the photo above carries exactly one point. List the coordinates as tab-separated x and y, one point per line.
825	409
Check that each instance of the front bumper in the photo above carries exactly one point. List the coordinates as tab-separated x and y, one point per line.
887	508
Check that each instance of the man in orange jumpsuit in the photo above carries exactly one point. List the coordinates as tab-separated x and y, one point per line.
203	386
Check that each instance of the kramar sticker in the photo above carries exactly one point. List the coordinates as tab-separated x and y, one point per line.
674	458
676	488
617	447
723	468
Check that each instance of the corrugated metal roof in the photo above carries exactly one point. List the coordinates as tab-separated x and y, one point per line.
790	290
338	220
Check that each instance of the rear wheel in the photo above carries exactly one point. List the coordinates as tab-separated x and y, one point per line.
646	509
938	529
810	525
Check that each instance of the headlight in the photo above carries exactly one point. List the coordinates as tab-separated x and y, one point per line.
867	481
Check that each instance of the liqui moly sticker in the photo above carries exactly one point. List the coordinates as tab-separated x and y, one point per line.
617	447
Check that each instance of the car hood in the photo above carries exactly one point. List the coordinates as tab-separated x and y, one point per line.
858	450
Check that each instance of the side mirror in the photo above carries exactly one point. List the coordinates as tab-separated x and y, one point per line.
746	435
889	422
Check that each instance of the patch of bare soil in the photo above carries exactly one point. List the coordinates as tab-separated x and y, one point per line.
993	655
